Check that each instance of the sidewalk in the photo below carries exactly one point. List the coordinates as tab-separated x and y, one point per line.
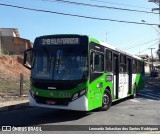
21	102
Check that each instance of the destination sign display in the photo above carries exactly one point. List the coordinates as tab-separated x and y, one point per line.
61	41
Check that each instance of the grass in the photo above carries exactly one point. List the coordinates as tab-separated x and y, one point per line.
3	52
13	88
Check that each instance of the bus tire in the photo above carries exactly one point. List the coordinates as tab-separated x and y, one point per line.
106	100
135	90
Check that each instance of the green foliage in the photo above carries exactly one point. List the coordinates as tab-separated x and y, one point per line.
3	52
13	88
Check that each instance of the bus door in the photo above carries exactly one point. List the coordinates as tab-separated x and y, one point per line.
96	73
129	64
116	74
123	77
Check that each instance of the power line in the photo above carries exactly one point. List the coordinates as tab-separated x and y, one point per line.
119	4
98	6
141	44
75	15
147	48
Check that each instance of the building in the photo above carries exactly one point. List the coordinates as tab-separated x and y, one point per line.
148	63
156	64
11	43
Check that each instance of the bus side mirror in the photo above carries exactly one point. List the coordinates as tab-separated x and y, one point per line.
28	58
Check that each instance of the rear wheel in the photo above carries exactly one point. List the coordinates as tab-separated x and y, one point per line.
106	100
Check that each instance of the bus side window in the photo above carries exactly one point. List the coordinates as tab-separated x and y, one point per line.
123	66
99	62
108	61
138	66
134	66
91	61
143	70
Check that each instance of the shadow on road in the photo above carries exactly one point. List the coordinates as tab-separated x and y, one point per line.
150	92
36	116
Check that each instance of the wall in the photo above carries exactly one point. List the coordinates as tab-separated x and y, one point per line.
7	44
6	32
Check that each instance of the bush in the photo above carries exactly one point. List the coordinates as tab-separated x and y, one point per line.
3	52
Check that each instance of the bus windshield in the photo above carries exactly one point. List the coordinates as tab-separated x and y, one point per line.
60	63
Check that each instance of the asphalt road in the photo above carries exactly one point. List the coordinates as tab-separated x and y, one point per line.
143	110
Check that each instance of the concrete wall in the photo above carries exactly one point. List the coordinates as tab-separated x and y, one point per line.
7	42
19	49
8	46
6	32
147	69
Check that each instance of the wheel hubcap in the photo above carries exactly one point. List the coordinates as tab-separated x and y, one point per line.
105	99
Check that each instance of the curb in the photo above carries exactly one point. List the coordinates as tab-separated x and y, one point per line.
14	107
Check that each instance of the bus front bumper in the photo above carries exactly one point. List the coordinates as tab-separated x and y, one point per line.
80	104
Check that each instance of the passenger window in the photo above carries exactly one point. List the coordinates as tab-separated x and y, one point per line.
134	66
99	62
123	65
91	60
108	61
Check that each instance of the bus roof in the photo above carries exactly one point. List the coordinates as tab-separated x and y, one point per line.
112	47
96	41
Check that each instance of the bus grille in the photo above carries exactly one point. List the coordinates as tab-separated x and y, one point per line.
52	101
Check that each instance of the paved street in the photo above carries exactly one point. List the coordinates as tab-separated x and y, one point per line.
143	110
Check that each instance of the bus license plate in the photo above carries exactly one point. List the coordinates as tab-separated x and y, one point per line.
50	102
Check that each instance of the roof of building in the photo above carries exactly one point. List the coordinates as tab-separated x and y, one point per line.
143	56
16	32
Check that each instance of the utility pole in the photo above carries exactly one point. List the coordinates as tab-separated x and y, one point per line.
155	9
152	57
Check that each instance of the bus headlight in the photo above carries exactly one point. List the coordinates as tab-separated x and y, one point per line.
75	96
79	94
82	92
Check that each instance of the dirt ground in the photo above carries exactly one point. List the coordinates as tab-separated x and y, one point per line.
10	69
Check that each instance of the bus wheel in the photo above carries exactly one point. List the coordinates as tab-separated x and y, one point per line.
106	100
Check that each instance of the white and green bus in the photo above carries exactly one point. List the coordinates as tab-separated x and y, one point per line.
78	72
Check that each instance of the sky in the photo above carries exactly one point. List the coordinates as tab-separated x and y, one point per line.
132	38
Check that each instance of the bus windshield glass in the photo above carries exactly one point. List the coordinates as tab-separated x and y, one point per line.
60	63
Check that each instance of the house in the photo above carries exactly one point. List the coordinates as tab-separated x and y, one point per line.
11	43
148	63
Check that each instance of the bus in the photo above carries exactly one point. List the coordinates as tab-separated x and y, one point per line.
77	72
